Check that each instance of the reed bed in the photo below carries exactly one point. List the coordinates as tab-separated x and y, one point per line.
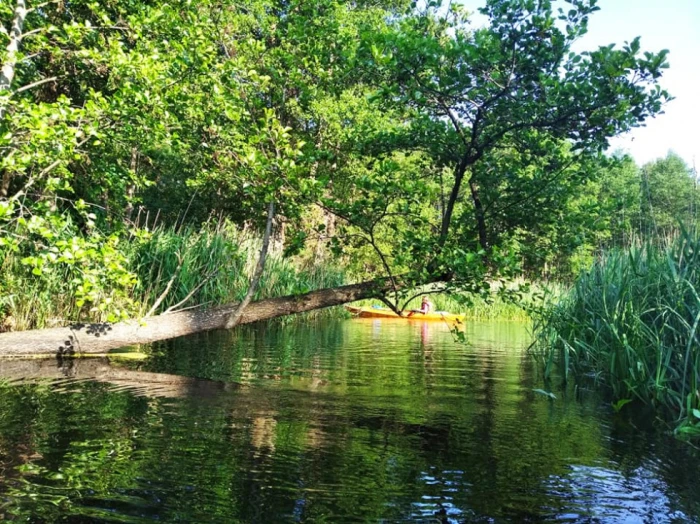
213	265
174	269
632	323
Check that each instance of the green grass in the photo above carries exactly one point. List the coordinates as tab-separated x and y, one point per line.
217	262
632	323
203	267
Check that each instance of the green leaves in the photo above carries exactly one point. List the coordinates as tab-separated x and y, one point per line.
441	150
617	406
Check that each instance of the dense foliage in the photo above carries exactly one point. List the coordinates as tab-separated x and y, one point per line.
174	269
407	140
619	205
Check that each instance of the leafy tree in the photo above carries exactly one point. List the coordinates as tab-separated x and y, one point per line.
620	195
669	194
105	101
495	107
438	147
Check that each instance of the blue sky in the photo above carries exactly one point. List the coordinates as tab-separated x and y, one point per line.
661	24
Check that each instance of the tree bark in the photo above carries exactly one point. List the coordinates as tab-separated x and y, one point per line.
454	195
100	338
479	214
7	72
6	179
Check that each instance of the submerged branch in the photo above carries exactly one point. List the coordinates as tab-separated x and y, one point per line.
165	292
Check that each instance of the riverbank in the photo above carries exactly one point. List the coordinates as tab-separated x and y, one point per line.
167	269
172	269
632	323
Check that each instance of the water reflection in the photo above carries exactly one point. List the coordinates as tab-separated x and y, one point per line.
342	421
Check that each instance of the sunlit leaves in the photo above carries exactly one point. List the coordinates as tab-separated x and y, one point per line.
379	114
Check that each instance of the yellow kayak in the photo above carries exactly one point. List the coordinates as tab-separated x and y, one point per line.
382	312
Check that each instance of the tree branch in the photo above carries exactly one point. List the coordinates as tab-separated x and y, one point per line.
430	292
34	84
32	180
165	292
199	286
236	315
39	6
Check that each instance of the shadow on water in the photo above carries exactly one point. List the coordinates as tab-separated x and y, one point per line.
331	422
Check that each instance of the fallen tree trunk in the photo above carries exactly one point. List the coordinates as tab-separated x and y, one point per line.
100	338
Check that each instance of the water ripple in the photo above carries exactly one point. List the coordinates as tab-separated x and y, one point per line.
335	422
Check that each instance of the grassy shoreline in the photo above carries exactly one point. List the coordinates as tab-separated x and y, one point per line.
171	269
633	323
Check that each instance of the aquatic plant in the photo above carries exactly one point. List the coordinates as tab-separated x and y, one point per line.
632	323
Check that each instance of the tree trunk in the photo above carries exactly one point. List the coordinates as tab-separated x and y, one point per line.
7	72
479	214
454	195
5	182
100	338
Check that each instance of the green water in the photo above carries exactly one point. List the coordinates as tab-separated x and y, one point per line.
343	421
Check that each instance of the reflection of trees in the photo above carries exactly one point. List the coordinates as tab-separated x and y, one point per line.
263	433
341	434
18	442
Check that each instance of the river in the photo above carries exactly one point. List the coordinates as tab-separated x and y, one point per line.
333	421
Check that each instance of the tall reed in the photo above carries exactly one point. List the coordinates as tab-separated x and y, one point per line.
175	269
632	323
213	264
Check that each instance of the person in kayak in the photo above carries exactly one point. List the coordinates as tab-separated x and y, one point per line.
426	306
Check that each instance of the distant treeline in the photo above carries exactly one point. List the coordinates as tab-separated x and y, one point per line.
620	205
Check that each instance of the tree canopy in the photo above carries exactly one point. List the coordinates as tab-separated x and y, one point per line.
436	147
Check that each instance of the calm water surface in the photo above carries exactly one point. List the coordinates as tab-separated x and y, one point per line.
338	421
